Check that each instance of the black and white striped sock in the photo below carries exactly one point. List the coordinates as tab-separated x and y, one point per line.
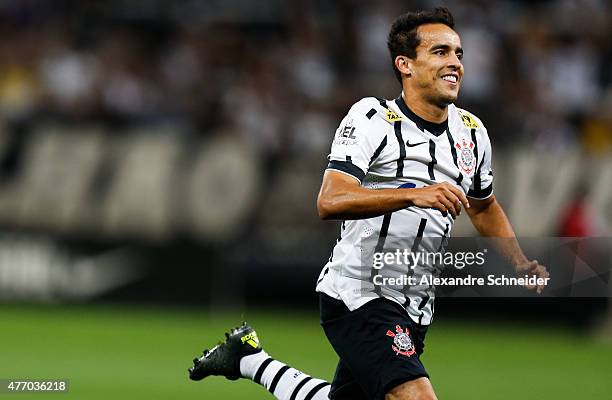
284	382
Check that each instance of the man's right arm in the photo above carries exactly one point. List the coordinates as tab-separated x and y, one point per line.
343	198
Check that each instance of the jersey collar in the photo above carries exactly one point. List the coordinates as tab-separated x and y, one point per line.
431	127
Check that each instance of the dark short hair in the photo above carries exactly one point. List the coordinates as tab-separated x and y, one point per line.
403	38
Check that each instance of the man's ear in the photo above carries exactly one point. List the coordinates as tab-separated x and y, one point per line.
404	65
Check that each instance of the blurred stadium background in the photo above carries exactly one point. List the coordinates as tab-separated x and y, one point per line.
160	161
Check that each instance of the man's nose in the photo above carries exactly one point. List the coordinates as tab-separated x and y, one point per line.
454	61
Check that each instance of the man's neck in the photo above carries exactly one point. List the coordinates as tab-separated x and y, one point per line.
427	111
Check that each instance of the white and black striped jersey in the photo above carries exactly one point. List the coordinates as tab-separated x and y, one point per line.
383	144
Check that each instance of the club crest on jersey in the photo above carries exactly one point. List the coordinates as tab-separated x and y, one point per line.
465	156
402	343
392	116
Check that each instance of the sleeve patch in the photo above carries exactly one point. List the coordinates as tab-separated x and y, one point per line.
345	135
467	119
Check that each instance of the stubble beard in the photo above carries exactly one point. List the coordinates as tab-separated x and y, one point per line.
436	95
441	100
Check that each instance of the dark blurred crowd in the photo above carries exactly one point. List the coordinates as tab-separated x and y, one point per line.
283	73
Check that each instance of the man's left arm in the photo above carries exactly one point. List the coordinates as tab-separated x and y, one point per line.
489	219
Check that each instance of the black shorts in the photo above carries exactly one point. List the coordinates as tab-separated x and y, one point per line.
378	344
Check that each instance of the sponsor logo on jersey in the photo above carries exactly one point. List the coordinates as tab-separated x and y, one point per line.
465	156
414	144
345	135
467	120
402	343
392	116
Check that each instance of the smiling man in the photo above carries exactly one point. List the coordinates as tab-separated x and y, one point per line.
398	169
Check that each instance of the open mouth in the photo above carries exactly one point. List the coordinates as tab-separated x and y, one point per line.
452	78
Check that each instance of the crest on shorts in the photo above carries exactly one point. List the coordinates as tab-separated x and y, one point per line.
465	156
402	343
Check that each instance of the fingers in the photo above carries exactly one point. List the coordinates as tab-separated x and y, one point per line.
441	207
540	271
460	195
455	196
446	200
456	203
532	266
449	206
444	197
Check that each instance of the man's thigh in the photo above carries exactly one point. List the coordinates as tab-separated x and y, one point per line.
378	344
345	386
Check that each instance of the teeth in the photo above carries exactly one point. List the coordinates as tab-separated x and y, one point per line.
450	78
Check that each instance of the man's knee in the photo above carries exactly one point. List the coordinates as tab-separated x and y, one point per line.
418	389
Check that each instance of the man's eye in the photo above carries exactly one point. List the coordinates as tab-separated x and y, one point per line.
439	52
460	56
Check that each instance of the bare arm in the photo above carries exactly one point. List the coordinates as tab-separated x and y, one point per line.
489	219
342	197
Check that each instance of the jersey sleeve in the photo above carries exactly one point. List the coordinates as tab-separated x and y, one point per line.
482	184
358	141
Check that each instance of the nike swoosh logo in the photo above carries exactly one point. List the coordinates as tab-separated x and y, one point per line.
414	144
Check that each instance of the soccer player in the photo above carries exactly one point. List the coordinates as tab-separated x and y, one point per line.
402	168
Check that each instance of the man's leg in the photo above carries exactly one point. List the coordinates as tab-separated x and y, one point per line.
241	356
344	386
418	389
283	381
381	346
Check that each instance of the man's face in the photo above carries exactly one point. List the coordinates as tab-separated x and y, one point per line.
437	70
